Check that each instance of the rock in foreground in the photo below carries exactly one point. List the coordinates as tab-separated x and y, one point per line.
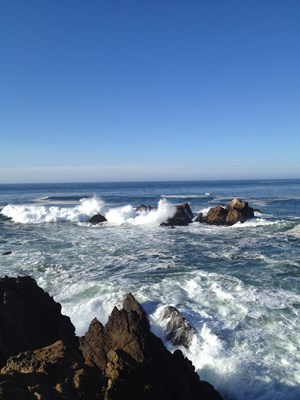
236	211
119	361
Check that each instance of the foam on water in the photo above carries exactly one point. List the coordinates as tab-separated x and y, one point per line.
33	214
88	207
243	342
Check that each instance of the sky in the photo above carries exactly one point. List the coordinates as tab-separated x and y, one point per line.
138	90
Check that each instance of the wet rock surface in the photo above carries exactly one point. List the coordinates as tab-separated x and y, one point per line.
121	360
178	329
236	211
183	216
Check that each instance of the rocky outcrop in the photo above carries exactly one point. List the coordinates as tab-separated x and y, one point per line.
135	361
97	219
53	372
178	329
183	216
236	211
29	318
42	359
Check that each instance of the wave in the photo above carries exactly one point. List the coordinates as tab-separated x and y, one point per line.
33	214
186	196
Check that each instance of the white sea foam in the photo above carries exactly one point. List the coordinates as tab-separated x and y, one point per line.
87	208
33	214
185	196
295	231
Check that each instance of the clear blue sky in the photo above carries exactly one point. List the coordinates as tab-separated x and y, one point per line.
149	90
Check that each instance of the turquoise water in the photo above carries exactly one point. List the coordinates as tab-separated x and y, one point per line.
238	286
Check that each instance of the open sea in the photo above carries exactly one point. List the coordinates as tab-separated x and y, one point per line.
238	286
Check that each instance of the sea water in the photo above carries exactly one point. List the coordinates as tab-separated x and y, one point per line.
238	286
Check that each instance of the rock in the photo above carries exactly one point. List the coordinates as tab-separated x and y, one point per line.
178	329
7	253
215	216
143	208
236	211
56	371
29	318
136	363
97	219
183	216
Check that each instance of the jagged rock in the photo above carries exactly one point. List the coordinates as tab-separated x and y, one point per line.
183	216
236	211
178	329
29	318
136	363
97	219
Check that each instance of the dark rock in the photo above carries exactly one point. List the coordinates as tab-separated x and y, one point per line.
143	208
183	216
178	329
97	219
7	253
236	211
29	318
136	363
53	372
215	216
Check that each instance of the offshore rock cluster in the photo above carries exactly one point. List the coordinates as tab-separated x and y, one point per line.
236	211
42	359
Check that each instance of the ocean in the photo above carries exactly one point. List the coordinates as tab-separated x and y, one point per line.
238	286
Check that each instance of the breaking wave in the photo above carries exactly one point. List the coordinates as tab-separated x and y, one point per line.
33	214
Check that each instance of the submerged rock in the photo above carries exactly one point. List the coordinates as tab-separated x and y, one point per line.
183	216
97	219
7	253
236	211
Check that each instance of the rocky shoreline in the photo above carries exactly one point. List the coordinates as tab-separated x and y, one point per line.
42	359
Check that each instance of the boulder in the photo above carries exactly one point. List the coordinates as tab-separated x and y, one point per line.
183	216
236	211
178	329
97	219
